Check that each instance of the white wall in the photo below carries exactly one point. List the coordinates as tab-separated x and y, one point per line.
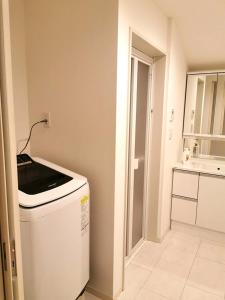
19	72
159	93
71	63
1	278
145	18
172	149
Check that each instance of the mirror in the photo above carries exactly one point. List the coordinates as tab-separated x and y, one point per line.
206	147
205	104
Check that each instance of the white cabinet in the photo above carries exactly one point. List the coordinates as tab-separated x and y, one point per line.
184	196
211	202
184	210
185	184
199	199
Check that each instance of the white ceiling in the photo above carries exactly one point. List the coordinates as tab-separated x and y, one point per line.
201	24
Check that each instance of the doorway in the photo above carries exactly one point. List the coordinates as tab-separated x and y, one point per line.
139	148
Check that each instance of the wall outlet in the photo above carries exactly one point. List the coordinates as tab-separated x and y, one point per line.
47	117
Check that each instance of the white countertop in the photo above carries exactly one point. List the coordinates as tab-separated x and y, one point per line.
213	167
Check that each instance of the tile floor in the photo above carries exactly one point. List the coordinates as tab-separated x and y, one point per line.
188	265
88	296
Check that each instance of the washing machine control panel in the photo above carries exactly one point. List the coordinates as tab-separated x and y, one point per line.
23	159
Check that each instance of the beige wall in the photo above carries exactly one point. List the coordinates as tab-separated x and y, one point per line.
71	69
172	148
71	64
19	72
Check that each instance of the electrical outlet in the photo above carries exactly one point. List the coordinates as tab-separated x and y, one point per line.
48	118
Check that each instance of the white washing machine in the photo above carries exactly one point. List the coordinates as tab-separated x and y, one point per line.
54	218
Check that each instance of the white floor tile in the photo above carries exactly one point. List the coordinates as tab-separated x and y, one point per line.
191	293
165	284
188	265
212	236
212	251
199	232
148	255
185	242
135	277
167	237
176	261
145	294
208	276
183	228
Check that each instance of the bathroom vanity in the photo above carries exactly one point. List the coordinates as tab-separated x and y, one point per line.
198	189
198	194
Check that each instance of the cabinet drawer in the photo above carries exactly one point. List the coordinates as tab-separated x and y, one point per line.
183	210
185	184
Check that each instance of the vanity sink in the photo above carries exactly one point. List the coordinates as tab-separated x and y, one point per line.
210	167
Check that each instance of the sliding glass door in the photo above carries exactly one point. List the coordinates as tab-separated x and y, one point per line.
138	150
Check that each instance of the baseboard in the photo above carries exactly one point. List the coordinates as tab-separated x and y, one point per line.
164	235
183	227
157	239
134	252
98	294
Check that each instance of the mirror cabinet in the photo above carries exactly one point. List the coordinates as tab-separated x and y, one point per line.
205	104
204	113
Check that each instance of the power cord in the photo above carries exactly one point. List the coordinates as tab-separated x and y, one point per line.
28	140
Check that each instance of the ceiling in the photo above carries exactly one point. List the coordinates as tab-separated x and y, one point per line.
201	24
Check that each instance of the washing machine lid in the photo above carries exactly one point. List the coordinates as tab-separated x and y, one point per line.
35	178
47	182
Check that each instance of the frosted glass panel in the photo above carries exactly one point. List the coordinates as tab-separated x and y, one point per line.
140	140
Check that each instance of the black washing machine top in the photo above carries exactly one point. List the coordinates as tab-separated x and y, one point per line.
35	178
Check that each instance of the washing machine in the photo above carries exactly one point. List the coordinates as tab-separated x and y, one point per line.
54	218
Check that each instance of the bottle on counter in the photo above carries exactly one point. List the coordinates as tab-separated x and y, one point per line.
195	149
186	155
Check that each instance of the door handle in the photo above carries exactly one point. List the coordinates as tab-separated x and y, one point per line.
136	163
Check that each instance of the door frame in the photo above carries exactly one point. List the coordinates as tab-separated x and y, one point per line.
10	221
137	56
2	290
